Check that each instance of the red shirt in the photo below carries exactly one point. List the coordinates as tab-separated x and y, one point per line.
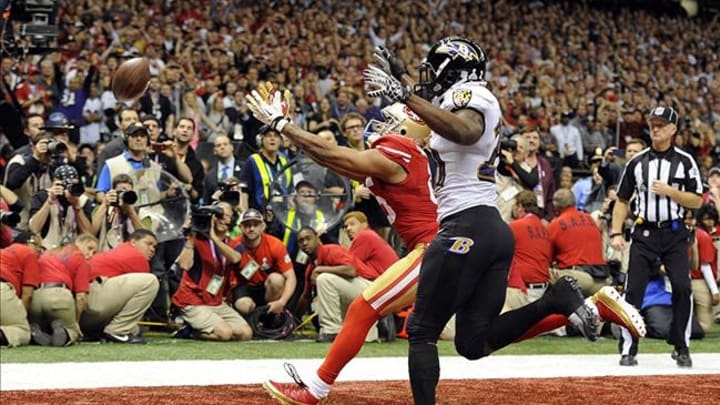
707	254
5	231
576	239
515	279
118	261
271	255
66	266
410	206
19	266
336	255
533	250
193	289
373	251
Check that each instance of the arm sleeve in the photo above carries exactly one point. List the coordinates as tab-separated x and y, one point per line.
626	185
693	182
103	181
18	173
529	179
709	279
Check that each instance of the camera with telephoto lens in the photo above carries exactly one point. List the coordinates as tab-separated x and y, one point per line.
201	217
509	145
56	148
76	188
9	218
229	195
128	197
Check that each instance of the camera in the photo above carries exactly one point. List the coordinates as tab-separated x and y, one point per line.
76	188
128	197
228	194
9	218
159	145
509	145
56	147
201	217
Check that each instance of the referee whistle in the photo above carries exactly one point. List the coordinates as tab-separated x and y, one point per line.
639	221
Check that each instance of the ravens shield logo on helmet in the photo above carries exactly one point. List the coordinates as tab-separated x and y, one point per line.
449	61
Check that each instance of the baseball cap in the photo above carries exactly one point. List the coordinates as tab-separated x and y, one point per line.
251	215
134	128
714	170
58	120
665	113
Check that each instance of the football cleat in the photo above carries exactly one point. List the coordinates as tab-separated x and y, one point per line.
295	393
613	308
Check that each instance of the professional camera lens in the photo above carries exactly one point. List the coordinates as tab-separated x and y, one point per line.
128	197
56	147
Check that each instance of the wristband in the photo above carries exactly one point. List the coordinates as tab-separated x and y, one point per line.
279	123
612	235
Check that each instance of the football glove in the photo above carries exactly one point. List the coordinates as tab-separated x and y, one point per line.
268	112
380	83
389	62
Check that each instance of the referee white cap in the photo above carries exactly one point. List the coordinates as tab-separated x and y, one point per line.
665	113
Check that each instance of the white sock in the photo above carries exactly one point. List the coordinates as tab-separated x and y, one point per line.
317	387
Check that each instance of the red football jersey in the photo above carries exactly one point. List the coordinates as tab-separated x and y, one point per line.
410	205
533	249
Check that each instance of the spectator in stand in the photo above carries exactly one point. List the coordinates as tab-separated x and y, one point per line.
513	174
183	136
159	106
569	141
93	117
225	168
545	188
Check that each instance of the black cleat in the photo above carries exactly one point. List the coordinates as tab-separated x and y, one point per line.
565	297
682	358
59	336
628	360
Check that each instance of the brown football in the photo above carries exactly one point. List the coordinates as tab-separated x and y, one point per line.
131	79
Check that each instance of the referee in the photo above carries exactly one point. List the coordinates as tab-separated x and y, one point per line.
666	181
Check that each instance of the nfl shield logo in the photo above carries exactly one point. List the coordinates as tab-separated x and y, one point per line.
461	97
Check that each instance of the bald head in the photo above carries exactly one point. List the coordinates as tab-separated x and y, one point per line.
563	198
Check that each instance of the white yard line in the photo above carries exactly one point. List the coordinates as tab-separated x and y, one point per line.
29	376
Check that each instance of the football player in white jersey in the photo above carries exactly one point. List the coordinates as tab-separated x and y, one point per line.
465	268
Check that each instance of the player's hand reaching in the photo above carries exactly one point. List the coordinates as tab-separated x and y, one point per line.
268	112
268	92
389	62
380	83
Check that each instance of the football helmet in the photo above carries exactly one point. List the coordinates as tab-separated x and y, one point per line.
400	120
449	61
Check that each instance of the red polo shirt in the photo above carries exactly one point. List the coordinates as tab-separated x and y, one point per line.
373	251
707	254
576	239
533	250
118	261
19	267
67	266
336	255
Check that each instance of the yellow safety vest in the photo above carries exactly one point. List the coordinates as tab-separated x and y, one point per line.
319	219
266	176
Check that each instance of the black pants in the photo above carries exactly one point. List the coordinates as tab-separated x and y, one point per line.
670	247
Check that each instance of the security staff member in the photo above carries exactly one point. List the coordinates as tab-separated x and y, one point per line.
667	182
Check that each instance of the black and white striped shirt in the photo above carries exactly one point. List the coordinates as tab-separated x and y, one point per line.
674	167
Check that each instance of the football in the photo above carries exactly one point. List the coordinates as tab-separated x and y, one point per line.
131	79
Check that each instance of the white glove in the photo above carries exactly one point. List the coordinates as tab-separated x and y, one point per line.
378	83
267	113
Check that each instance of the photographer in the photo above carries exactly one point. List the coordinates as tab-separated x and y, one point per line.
10	208
208	271
513	174
26	174
61	212
116	218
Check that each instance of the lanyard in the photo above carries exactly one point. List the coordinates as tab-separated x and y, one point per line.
223	260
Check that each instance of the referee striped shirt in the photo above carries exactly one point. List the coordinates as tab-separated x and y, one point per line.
674	167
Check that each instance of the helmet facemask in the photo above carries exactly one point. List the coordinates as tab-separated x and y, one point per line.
450	61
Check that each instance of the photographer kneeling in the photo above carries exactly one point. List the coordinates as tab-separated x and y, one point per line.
116	218
513	174
61	212
209	265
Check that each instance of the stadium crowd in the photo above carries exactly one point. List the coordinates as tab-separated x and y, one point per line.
575	81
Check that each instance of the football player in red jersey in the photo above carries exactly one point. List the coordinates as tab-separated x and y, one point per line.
394	167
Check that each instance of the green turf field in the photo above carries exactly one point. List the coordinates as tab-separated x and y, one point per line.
161	347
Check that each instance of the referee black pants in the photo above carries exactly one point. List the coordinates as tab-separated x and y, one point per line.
669	247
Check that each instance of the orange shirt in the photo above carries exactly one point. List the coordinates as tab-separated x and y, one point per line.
118	261
66	266
533	250
336	255
576	239
372	250
270	255
19	266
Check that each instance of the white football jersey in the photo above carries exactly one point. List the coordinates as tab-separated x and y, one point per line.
465	174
